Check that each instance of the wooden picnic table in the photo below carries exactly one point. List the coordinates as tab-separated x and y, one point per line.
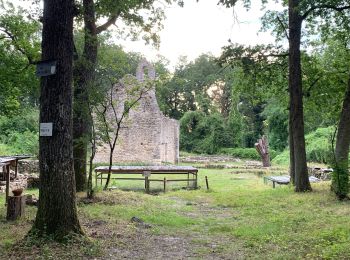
10	161
147	172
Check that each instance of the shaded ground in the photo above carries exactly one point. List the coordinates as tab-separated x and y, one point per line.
239	218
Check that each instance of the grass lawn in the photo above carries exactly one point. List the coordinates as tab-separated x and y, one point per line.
239	218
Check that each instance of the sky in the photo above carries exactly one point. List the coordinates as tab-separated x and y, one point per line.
203	27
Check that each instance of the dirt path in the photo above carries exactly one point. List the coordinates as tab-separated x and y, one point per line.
142	243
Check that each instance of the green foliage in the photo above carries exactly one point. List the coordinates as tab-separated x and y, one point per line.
19	48
246	153
277	125
318	147
192	87
19	134
282	158
202	133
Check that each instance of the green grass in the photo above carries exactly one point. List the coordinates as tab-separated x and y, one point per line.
239	217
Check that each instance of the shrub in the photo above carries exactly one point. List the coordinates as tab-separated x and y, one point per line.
282	158
245	153
19	134
318	147
23	143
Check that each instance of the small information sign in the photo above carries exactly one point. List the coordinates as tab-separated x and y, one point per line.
146	174
46	68
45	129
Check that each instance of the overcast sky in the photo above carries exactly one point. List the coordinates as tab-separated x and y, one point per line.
204	27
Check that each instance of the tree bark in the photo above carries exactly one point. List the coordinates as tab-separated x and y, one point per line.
57	212
15	207
340	180
84	79
302	182
291	144
262	147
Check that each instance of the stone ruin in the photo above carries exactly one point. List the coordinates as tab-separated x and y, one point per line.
27	177
146	135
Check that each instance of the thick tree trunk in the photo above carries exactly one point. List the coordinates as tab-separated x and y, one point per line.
340	180
302	182
84	79
57	212
291	147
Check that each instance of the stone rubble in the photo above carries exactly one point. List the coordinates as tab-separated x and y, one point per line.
16	183
27	169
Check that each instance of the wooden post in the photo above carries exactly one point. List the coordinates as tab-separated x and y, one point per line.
206	182
164	184
15	207
7	182
195	182
16	168
262	147
147	184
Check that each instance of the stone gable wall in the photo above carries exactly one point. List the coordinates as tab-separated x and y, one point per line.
146	135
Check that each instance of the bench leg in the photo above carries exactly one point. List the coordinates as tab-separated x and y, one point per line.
164	185
195	180
273	184
147	185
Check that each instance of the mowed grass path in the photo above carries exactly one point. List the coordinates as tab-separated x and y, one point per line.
239	218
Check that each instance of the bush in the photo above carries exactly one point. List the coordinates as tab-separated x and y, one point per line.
23	143
282	158
19	134
318	147
245	153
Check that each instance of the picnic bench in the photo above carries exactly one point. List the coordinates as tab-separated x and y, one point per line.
284	180
146	172
6	162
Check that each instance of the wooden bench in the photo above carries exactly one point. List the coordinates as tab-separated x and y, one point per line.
147	171
284	180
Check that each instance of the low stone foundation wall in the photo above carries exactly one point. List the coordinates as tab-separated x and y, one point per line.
28	166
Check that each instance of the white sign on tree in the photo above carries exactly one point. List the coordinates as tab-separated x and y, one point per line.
45	129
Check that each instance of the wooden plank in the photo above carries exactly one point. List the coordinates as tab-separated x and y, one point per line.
153	169
174	180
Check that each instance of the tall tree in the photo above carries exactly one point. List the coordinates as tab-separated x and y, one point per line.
19	48
298	12
57	213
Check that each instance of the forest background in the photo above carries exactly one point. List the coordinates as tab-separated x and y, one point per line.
224	103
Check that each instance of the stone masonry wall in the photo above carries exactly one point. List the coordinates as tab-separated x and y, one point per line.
146	135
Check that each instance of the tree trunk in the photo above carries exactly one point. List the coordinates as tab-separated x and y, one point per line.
291	147
262	147
57	212
340	180
302	182
84	79
15	207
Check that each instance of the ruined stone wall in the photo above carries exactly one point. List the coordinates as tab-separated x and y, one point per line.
146	135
